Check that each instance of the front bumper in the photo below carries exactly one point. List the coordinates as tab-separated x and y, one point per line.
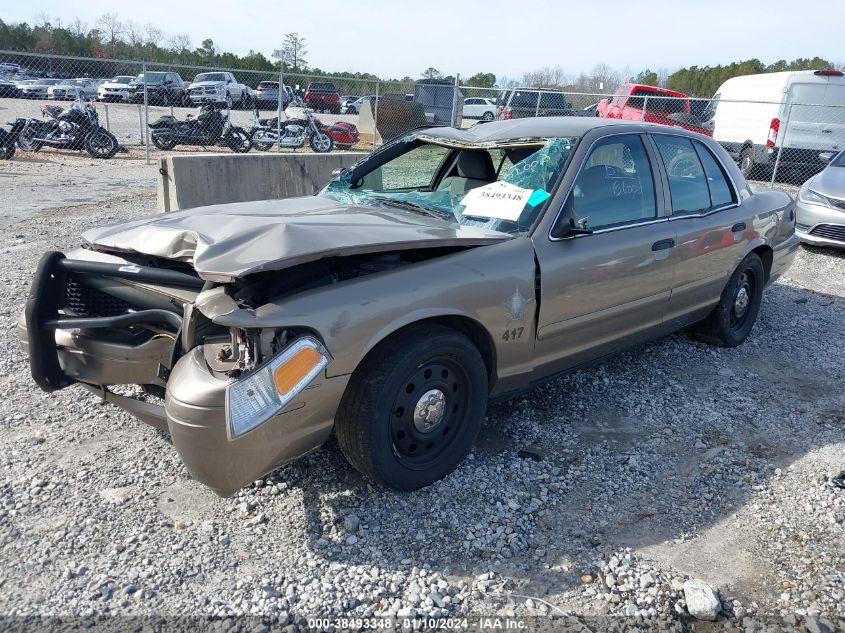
196	417
64	350
819	224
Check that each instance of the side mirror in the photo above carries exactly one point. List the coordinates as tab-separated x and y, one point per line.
826	157
567	229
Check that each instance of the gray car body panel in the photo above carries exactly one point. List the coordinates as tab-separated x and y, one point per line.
536	304
831	184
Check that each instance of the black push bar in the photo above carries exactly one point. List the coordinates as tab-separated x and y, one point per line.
46	298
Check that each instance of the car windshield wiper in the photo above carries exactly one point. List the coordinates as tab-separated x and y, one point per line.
410	205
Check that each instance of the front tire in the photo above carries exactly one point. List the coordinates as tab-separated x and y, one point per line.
413	408
488	116
321	143
730	322
101	143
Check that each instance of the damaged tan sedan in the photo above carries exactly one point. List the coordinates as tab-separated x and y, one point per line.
448	268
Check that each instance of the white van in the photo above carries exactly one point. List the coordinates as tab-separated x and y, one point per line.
803	112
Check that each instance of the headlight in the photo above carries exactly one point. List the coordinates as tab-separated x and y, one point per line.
259	396
805	194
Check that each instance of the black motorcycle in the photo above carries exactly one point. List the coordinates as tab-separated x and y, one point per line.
76	127
209	127
8	138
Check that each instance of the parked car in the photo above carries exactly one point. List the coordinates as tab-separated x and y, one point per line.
521	103
9	88
115	89
447	268
322	95
638	102
354	107
219	87
347	99
67	89
479	108
820	207
163	88
590	110
754	116
38	88
267	95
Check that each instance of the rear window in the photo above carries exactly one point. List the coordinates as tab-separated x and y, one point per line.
268	84
524	99
322	86
210	77
554	100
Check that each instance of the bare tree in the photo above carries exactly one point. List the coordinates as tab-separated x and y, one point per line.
78	28
605	78
153	36
134	34
111	29
295	50
546	77
180	42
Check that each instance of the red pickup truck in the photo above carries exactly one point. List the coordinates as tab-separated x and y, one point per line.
637	102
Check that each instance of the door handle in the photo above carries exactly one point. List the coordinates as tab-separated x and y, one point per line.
739	226
663	245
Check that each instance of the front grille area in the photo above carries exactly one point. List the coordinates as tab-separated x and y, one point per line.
83	300
829	231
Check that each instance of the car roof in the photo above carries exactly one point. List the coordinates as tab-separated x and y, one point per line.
542	127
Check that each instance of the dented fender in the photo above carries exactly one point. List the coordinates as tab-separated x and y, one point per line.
491	286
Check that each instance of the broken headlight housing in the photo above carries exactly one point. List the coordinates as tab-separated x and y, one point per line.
261	394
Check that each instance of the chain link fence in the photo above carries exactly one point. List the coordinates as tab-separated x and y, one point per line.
153	107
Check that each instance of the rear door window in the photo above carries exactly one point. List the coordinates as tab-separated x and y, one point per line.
524	99
687	181
721	192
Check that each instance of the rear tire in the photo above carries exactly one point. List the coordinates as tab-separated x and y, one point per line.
413	408
747	165
26	140
261	146
731	321
164	144
488	116
238	141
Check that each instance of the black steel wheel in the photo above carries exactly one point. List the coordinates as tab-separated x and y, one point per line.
731	321
414	406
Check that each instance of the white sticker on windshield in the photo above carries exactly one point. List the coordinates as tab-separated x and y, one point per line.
500	200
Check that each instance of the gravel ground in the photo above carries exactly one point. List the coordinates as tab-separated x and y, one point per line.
674	462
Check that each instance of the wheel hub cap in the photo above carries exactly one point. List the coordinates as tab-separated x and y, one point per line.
741	300
430	410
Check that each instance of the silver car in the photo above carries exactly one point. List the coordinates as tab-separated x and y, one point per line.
820	208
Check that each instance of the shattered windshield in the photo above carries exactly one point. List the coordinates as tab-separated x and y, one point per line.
501	186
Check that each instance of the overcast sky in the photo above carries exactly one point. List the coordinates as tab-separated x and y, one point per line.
393	38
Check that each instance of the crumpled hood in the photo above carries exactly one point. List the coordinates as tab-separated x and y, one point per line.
233	240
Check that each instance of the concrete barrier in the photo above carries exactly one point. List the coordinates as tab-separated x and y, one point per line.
195	180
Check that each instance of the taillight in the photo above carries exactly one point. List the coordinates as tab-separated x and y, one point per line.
774	128
508	113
